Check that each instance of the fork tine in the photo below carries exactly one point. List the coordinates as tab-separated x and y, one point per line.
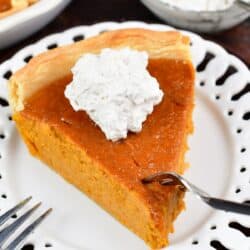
9	213
9	230
27	231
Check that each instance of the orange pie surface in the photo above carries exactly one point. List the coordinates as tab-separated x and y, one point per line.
10	7
111	172
5	5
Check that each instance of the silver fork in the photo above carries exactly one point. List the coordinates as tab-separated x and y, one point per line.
9	230
171	178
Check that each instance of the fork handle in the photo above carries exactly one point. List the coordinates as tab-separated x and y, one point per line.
228	206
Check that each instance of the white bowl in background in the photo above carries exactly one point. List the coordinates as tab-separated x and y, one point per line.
200	21
24	23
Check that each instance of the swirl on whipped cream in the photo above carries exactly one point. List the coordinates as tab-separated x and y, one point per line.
115	89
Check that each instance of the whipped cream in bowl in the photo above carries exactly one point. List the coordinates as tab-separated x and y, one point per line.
115	89
201	5
206	16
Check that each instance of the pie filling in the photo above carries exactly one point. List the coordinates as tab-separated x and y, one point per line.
5	5
160	146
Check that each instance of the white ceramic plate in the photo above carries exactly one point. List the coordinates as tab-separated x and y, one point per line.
219	157
24	23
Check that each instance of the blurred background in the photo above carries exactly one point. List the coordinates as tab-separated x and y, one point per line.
81	12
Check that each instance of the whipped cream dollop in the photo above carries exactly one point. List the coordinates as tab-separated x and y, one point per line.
115	89
201	5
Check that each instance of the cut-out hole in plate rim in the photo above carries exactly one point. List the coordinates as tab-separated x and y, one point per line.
215	158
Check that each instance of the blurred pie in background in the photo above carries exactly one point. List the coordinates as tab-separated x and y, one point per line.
9	7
